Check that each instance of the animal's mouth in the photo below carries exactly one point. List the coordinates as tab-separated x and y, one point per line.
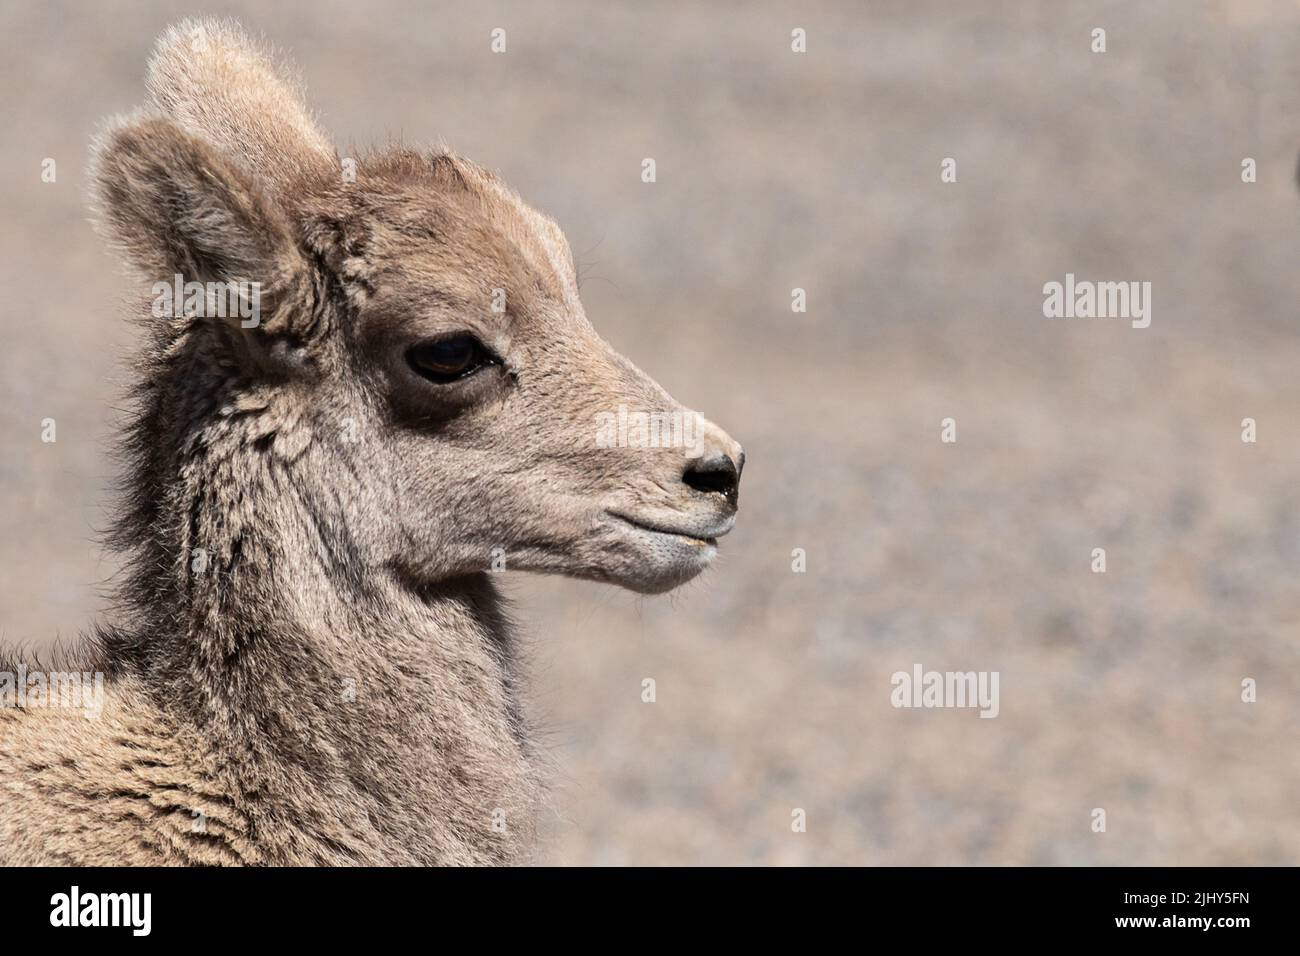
701	535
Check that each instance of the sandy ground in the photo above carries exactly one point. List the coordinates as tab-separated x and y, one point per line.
1119	691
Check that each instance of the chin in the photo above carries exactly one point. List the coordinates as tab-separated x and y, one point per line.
656	575
650	559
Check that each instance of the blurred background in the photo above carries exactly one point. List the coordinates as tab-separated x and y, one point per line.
821	171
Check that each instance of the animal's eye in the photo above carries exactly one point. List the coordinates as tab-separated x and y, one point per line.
449	359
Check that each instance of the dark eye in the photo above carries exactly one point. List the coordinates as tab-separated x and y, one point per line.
447	360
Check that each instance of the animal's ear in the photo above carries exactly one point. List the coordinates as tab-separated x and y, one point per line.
178	209
215	82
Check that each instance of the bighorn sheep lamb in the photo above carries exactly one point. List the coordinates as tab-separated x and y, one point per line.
310	663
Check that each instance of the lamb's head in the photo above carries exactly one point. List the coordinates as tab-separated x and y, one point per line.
512	432
424	325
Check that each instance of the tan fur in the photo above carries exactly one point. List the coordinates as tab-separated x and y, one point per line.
337	683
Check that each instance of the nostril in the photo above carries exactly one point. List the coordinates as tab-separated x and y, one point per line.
716	474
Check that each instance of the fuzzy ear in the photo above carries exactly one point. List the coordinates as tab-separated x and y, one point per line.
215	83
177	208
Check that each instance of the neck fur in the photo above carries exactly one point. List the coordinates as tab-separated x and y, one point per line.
319	680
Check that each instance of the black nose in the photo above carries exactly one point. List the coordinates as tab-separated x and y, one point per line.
716	473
